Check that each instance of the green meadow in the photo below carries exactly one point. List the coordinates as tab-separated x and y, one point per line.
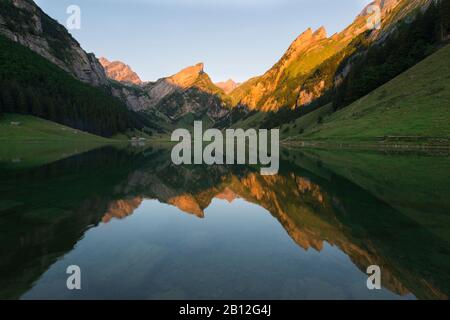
29	141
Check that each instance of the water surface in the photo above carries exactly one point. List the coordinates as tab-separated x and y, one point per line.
141	228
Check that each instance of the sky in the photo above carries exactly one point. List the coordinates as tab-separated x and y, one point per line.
236	39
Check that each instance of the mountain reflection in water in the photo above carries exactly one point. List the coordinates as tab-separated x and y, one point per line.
141	227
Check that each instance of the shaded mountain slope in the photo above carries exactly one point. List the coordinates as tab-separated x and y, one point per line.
22	21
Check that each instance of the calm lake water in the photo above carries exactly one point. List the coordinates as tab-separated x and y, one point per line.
140	227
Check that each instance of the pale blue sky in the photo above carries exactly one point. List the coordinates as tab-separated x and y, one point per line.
235	39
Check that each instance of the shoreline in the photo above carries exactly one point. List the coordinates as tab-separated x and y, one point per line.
366	145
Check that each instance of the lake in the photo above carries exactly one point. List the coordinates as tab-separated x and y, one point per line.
140	227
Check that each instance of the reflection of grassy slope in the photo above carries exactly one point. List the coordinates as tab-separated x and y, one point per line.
33	141
418	186
415	104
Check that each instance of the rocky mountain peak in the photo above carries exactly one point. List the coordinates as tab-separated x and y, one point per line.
320	33
119	71
305	36
306	39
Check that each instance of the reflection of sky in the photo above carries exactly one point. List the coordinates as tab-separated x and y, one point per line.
238	251
234	38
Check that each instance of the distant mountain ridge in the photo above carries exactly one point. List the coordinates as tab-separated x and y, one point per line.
119	71
228	86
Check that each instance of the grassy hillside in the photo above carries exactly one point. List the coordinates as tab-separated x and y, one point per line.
306	122
413	106
28	141
294	124
16	128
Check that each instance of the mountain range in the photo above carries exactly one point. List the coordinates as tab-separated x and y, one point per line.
311	74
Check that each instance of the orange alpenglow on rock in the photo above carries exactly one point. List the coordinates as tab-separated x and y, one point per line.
186	77
119	71
121	209
227	195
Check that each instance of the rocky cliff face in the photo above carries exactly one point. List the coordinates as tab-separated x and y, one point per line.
119	71
24	22
135	98
190	91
